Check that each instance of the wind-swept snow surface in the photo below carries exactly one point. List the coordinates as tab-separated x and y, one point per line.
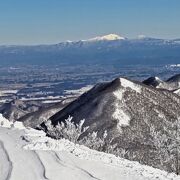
43	158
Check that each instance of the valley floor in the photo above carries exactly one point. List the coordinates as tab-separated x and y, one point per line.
29	155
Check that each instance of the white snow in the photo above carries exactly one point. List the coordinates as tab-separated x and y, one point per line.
51	101
44	158
177	91
78	91
118	94
5	92
157	78
141	36
41	98
84	153
18	125
109	37
175	65
6	123
3	100
121	116
126	83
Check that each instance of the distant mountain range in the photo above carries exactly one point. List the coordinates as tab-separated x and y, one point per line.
171	84
31	113
107	49
16	109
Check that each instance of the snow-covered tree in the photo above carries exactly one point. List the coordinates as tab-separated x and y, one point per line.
68	129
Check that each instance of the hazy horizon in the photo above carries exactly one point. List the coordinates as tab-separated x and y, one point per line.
85	39
50	22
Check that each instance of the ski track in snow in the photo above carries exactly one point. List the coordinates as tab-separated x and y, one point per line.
125	169
54	160
7	167
43	167
74	167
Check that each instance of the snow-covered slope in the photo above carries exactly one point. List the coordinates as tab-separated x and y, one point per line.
29	155
139	120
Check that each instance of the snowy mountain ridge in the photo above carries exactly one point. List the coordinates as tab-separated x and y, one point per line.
109	37
171	84
136	117
109	48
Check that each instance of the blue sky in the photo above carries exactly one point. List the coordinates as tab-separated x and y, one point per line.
52	21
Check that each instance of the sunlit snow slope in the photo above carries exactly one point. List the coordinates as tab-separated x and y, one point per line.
26	154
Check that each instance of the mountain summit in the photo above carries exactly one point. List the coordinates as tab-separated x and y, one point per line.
140	120
109	37
172	84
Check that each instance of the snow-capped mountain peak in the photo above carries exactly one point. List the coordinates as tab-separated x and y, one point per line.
141	36
109	37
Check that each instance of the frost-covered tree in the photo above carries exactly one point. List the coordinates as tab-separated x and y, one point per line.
71	131
166	144
93	141
67	129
